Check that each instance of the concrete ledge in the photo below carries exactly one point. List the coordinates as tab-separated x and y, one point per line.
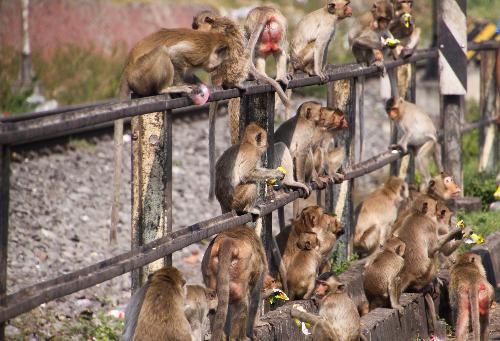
469	204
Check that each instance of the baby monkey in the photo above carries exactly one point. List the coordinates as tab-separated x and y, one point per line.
471	296
381	279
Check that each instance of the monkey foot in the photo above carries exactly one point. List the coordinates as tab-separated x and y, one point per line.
284	81
338	177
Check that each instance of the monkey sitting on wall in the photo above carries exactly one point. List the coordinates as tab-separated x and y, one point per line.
309	46
418	132
471	296
235	265
376	214
156	311
338	317
237	172
381	280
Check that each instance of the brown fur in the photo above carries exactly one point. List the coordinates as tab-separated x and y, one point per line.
381	279
235	266
376	215
199	303
338	315
471	296
237	171
309	47
162	313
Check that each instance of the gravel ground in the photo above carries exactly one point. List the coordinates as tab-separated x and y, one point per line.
60	212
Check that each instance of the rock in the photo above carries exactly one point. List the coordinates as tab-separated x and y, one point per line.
495	206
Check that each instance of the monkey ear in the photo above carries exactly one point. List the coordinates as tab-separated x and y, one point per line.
425	208
308	113
432	183
258	138
400	250
341	288
209	20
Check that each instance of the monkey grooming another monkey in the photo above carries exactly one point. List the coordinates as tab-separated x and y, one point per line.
238	170
309	45
303	267
471	296
338	315
418	131
381	279
164	58
235	265
156	311
376	215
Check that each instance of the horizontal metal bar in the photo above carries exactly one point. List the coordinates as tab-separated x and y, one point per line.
484	45
469	126
30	297
29	130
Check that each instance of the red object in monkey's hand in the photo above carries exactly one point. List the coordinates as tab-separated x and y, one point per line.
200	95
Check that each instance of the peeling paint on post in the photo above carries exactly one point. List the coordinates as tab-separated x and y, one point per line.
150	184
342	95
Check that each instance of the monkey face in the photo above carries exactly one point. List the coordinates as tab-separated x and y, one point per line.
382	12
403	6
203	21
332	119
332	224
340	8
310	110
451	186
444	186
218	55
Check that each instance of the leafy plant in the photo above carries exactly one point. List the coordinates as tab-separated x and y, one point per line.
338	263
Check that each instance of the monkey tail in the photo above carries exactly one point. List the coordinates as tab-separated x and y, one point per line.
225	255
124	93
474	311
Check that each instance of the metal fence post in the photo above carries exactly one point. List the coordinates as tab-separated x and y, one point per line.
151	184
260	109
452	43
4	224
487	104
342	95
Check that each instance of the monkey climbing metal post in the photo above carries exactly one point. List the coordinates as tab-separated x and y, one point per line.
151	184
342	95
4	225
260	109
488	139
452	44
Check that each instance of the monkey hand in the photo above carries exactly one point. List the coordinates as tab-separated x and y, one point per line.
390	42
338	177
322	76
398	147
284	80
279	173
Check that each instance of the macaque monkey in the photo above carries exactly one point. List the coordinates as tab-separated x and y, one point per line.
298	133
156	311
164	58
368	36
266	30
420	234
199	303
303	267
403	28
381	279
471	296
309	46
235	265
238	171
418	131
448	254
338	315
376	215
331	122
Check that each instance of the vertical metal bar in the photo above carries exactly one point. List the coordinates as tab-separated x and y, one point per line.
260	109
411	96
394	166
168	178
4	224
342	95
